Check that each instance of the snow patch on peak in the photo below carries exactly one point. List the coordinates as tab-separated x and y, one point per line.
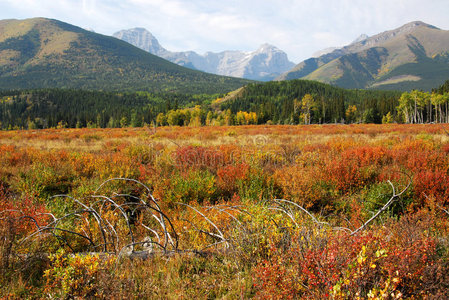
265	63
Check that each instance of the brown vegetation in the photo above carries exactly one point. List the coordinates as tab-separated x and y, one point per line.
356	211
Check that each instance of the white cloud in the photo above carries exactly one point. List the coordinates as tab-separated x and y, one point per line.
89	7
328	39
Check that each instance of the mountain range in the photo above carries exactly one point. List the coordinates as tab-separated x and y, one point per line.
47	53
265	63
414	56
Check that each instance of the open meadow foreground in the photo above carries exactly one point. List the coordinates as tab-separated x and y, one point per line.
311	211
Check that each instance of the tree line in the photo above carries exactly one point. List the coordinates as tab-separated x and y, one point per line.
47	108
307	102
286	102
423	107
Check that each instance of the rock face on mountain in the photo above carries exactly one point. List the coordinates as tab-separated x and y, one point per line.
46	53
362	37
266	63
142	39
415	55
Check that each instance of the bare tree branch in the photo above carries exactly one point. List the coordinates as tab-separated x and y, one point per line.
302	209
219	235
385	207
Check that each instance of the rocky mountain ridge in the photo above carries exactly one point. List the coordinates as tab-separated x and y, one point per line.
265	63
413	56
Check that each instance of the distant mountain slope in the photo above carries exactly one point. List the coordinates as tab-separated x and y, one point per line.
265	63
332	49
41	53
415	55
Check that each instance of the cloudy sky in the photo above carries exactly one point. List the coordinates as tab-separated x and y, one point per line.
299	27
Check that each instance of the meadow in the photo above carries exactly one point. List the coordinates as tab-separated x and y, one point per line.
265	212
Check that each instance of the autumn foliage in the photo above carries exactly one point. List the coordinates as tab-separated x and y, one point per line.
218	186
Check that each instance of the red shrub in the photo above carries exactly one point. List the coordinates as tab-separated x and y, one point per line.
228	176
434	184
198	158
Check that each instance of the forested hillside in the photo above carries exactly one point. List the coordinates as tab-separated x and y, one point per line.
45	53
283	102
286	102
47	108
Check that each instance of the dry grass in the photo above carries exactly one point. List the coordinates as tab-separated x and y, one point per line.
397	79
339	173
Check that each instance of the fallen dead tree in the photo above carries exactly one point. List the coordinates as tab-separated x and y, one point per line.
136	227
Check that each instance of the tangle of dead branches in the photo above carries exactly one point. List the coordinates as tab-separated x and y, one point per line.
125	224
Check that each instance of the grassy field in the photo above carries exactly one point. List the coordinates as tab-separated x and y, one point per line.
318	211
